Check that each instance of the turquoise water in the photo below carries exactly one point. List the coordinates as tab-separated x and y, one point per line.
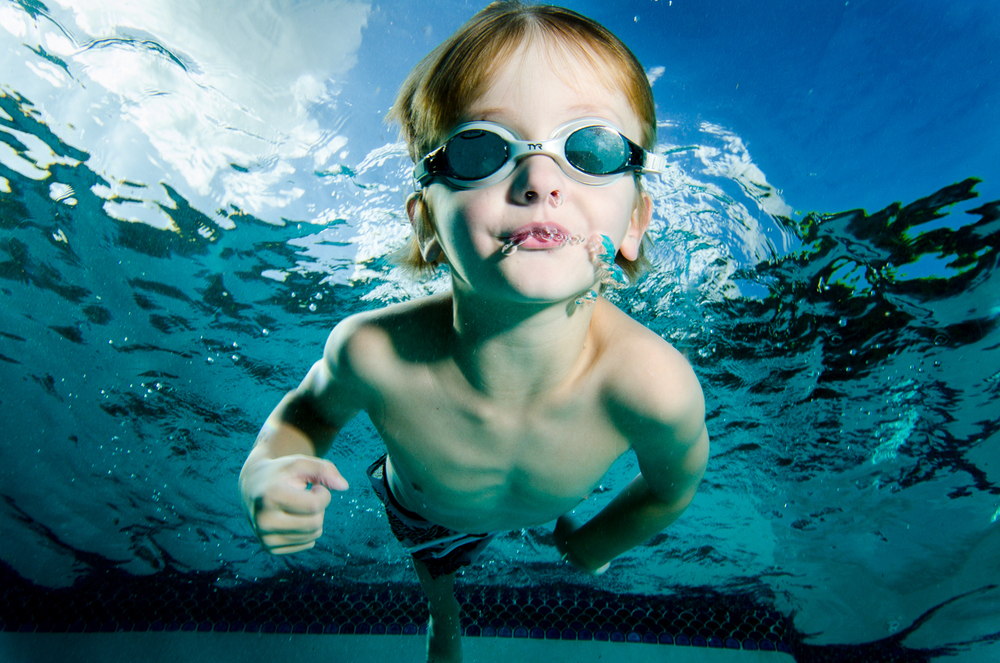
193	195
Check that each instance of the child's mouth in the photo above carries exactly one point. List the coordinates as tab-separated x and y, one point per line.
539	237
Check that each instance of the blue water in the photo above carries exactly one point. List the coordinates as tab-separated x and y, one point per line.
192	194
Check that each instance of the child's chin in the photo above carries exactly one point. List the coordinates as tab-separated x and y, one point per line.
550	295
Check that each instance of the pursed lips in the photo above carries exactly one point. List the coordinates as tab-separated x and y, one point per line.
540	235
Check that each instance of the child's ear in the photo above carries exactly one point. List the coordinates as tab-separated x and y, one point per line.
423	228
639	223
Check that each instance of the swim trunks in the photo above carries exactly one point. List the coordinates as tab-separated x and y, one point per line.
441	550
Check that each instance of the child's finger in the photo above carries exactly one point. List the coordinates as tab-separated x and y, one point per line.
332	478
293	500
283	528
287	550
317	471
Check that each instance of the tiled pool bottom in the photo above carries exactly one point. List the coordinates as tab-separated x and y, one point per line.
301	604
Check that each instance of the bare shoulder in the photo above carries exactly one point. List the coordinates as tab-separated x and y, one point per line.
655	400
648	380
366	344
367	352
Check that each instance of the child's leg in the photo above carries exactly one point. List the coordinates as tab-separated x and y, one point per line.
444	630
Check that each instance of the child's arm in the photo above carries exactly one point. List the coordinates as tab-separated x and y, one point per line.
636	514
285	484
671	443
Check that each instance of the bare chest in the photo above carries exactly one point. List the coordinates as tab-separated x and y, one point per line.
478	468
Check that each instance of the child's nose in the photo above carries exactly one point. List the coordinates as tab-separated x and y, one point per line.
539	179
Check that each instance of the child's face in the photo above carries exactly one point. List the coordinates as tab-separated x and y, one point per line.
537	90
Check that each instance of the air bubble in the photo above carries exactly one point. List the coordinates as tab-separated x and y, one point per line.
609	273
588	298
547	234
510	248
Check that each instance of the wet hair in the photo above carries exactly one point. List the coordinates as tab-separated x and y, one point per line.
442	87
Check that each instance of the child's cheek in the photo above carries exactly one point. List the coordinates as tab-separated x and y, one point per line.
464	230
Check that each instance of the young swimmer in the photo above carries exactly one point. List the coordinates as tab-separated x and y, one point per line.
503	402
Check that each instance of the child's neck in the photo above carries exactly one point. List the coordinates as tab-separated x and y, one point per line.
517	352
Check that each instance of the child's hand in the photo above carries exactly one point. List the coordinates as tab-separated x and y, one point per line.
565	526
285	499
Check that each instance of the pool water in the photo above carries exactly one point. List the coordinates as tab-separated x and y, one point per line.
192	194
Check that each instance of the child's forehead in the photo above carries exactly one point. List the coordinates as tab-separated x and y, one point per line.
577	64
578	67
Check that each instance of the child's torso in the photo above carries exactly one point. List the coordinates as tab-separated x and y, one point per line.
476	470
462	458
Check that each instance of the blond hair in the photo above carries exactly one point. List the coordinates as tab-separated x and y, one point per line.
442	87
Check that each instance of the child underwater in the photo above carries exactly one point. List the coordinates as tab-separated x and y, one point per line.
503	402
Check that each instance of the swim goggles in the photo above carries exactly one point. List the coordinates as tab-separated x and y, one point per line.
590	150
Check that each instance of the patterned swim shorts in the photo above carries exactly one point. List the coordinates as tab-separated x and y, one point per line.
443	551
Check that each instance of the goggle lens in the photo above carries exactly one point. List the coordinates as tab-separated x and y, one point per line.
596	150
475	154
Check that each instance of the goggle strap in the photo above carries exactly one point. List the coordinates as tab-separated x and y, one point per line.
653	163
426	167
